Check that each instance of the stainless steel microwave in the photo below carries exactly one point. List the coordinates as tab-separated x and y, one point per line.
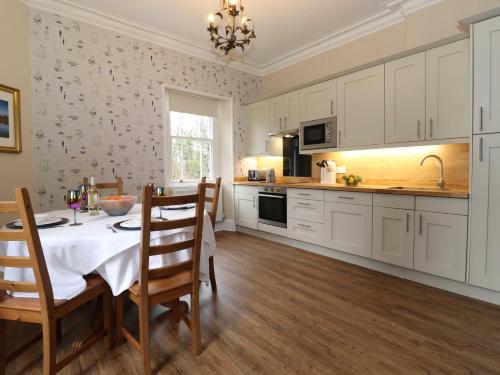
318	134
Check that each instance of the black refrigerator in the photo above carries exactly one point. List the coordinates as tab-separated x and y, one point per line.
295	164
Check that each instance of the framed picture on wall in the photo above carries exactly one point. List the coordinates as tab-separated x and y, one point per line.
10	120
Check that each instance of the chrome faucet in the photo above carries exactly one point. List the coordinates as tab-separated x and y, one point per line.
441	182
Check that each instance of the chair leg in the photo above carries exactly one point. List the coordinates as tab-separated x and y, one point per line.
144	337
107	306
3	347
195	323
49	347
213	283
119	318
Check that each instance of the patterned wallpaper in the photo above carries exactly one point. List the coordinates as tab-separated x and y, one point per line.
97	104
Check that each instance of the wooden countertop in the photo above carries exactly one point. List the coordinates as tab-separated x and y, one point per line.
425	191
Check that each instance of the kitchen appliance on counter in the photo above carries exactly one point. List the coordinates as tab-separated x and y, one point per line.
270	175
272	206
295	164
318	134
257	174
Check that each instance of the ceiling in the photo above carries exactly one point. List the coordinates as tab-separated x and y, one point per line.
287	30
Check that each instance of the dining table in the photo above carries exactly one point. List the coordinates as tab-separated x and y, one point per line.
97	246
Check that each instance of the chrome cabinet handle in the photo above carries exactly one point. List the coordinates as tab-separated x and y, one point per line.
420	223
431	127
344	197
267	146
303	225
481	118
303	204
305	194
280	123
272	196
285	121
331	106
418	129
481	146
407	222
253	202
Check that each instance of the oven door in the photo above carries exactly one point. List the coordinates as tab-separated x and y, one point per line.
272	209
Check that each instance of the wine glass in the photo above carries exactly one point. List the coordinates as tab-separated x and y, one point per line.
84	190
74	201
160	191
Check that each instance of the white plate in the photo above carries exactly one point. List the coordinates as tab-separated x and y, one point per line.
131	223
179	207
40	219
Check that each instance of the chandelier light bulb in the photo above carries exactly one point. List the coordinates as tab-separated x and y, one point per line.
211	18
233	2
244	20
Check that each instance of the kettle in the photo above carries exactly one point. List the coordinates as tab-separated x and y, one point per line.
270	175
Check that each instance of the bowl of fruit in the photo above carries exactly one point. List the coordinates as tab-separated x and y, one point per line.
352	180
117	205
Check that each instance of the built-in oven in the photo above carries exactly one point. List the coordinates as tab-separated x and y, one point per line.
272	206
318	134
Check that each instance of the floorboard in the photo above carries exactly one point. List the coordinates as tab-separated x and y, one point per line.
280	310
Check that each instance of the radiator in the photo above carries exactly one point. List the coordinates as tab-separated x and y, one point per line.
186	190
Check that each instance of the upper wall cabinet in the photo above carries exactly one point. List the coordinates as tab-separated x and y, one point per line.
360	108
318	101
284	112
487	76
257	128
405	99
447	87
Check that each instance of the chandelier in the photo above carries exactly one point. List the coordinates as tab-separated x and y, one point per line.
233	34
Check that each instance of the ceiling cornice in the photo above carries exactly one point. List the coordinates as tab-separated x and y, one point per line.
394	11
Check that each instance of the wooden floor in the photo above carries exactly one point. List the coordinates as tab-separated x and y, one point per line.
280	310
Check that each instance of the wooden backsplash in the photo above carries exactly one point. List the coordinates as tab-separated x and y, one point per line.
403	164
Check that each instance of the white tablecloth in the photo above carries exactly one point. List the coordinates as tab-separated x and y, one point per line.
72	252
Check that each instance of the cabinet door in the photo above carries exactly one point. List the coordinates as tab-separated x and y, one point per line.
318	101
441	244
246	210
487	76
448	91
348	227
485	212
257	128
405	99
291	110
360	108
276	122
393	236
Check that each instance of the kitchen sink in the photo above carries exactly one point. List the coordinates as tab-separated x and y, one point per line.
417	188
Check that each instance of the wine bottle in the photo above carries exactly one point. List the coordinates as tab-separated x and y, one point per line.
93	196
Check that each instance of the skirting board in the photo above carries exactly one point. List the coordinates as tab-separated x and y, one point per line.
412	275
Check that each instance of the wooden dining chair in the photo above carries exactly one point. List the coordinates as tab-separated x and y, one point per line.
43	310
168	283
214	201
118	185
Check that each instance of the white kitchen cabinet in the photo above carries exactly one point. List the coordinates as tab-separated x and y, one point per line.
405	99
305	209
360	108
393	236
487	76
246	207
441	244
318	101
305	231
257	128
447	87
284	112
348	228
485	212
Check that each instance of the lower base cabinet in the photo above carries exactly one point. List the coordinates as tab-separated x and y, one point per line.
348	228
246	210
393	236
441	244
306	231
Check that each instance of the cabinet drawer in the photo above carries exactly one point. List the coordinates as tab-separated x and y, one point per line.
405	202
349	197
306	231
245	189
317	195
455	206
305	209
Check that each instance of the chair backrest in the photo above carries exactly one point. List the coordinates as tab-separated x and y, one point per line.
118	185
214	199
35	260
194	243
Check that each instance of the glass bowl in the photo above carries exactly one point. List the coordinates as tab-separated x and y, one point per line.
116	205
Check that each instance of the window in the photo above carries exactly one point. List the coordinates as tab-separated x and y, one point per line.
192	146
